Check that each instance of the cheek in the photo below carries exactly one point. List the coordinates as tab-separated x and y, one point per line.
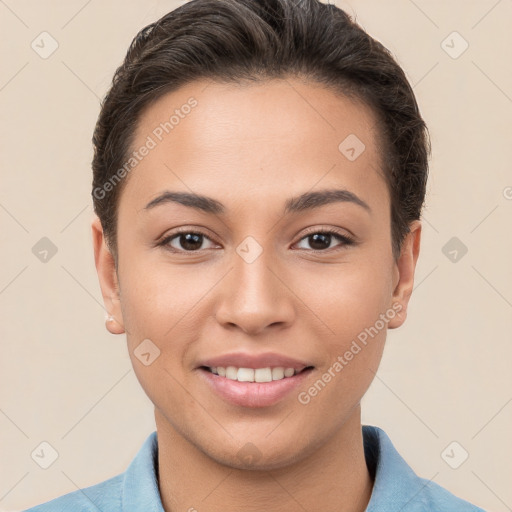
164	303
347	298
156	308
350	303
151	305
156	296
352	306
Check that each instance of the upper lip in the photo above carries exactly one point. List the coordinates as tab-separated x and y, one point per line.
265	360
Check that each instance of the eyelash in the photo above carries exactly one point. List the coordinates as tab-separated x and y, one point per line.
345	239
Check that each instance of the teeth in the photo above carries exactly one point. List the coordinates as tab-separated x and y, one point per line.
262	375
231	373
277	373
288	372
245	375
253	375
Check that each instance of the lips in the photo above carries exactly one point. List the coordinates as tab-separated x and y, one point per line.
253	380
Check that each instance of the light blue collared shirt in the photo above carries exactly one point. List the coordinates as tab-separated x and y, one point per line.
396	487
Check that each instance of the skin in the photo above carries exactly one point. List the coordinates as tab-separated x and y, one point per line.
253	147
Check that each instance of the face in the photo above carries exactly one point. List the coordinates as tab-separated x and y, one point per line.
278	256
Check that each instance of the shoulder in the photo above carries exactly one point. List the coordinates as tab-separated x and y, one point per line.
136	488
397	487
104	496
435	497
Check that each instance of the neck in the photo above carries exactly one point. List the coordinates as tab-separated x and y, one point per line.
335	477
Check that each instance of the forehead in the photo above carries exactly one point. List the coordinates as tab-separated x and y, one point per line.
269	136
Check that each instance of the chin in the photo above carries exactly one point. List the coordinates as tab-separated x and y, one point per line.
260	455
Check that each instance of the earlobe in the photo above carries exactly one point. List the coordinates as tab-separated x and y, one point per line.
107	275
113	325
405	268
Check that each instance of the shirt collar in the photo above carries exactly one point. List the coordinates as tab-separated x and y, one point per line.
140	483
395	483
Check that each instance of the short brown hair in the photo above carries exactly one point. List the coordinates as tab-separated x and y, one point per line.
255	40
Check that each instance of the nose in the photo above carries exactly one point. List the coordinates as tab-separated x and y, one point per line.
254	296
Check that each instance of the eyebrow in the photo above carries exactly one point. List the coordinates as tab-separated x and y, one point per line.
306	201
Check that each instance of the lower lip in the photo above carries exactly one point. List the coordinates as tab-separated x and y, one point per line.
253	394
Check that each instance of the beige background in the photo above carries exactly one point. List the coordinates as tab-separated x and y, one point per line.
446	374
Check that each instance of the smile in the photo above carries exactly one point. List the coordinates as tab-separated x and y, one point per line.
253	387
254	374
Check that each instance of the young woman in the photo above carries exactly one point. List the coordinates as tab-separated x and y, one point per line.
259	174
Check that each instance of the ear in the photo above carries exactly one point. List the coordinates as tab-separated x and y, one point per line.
107	275
404	271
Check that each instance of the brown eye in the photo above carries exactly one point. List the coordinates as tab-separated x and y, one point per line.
190	241
185	241
321	240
